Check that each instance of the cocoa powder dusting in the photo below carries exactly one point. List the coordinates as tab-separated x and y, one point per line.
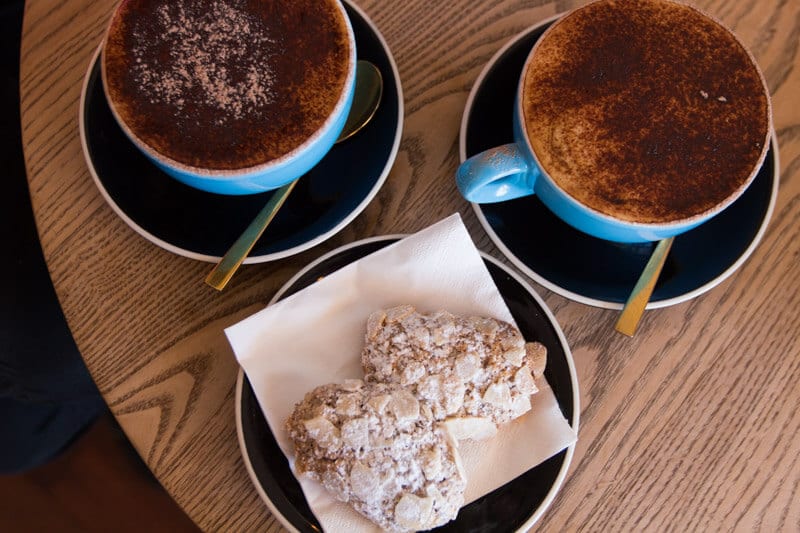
645	110
224	53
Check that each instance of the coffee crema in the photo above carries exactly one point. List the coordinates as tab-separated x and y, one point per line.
647	111
225	84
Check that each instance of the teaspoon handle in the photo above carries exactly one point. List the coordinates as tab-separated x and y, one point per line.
637	301
240	249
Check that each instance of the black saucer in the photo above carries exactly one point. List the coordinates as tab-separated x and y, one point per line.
584	268
518	504
203	225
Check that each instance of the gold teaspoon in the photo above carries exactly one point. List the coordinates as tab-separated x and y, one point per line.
366	98
632	312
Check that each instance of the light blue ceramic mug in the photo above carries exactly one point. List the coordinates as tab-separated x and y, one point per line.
515	170
229	63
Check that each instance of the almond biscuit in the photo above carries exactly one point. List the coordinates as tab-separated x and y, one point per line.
472	372
376	447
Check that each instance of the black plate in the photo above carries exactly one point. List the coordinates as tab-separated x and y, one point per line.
584	268
518	503
202	225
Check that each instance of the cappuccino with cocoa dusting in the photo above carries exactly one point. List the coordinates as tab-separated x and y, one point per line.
648	111
225	84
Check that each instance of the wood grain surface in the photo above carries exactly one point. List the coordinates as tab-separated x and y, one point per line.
691	425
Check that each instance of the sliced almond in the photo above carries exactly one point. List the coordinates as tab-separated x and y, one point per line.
364	483
515	355
395	314
348	404
352	385
454	397
379	402
444	328
439	336
430	388
512	341
375	323
467	366
404	406
499	395
452	449
537	358
413	512
486	326
524	382
520	405
323	431
421	336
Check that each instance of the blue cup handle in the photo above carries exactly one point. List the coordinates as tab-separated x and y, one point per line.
498	174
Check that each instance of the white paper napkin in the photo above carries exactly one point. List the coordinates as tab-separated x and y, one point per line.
316	335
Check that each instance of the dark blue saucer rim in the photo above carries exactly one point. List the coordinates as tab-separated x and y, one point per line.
572	291
294	238
291	509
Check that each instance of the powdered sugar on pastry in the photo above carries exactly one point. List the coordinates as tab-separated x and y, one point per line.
375	446
472	372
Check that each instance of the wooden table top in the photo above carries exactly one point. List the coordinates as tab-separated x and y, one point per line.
692	424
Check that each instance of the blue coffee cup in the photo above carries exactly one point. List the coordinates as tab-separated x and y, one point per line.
262	175
513	170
